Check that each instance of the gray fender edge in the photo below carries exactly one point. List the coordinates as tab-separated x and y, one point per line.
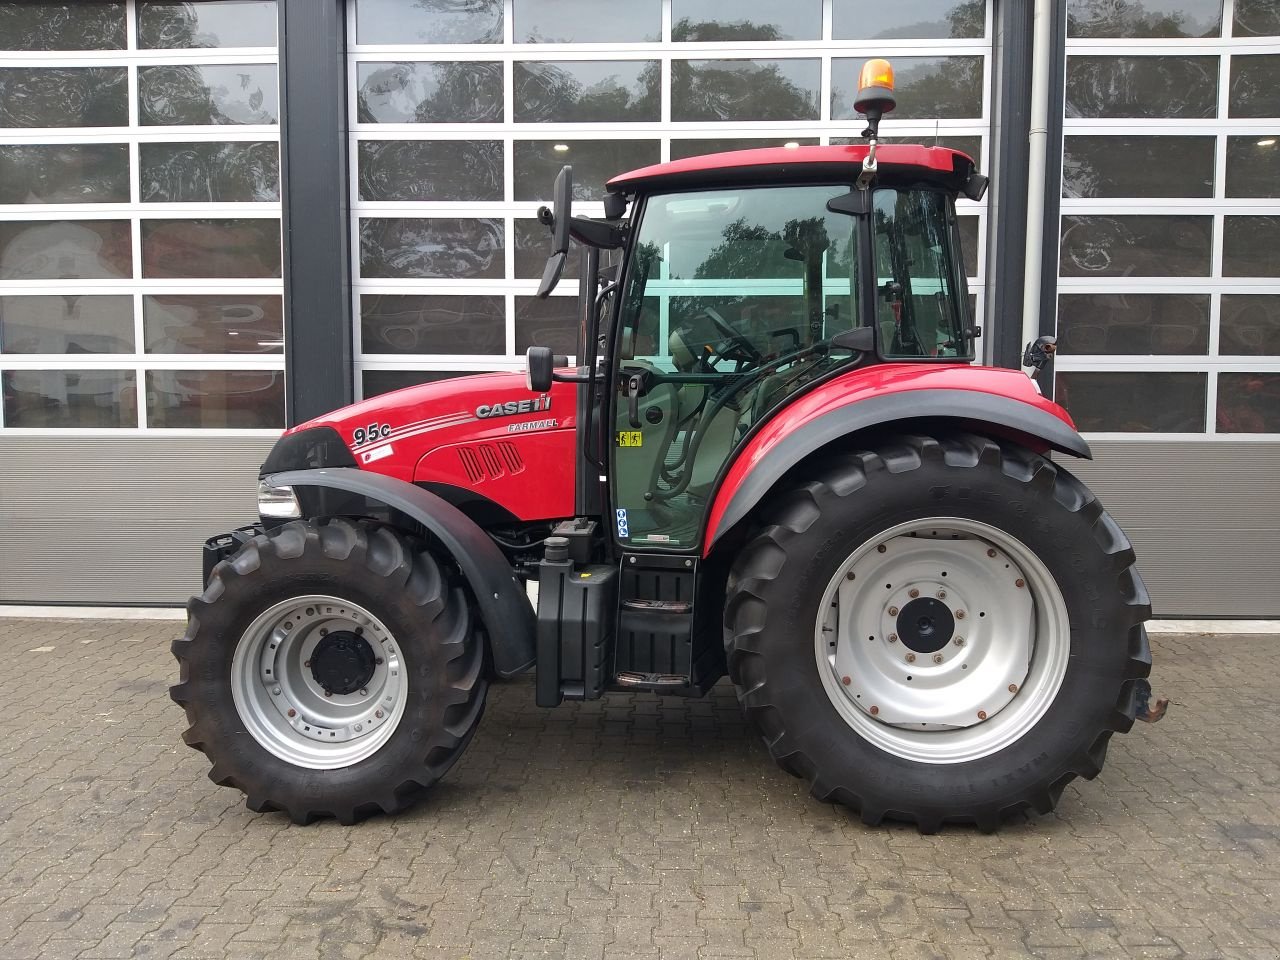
966	405
504	605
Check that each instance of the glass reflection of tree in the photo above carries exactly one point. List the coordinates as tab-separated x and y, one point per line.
749	90
548	92
46	26
966	19
697	31
1130	18
454	92
463	21
178	94
169	25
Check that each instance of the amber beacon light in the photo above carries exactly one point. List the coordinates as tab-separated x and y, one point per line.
875	90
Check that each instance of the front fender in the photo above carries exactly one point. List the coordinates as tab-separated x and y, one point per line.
1002	399
504	606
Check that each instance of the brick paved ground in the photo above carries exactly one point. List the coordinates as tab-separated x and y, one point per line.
624	828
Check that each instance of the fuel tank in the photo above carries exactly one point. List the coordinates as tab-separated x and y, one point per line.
488	434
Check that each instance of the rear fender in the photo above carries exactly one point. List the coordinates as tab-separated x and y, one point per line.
791	436
503	605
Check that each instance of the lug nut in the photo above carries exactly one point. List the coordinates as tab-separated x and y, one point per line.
364	693
913	593
292	712
1019	582
911	658
1013	688
378	661
378	714
893	638
982	714
328	693
893	611
850	575
991	553
324	631
874	711
359	727
882	548
959	614
275	691
937	658
306	663
846	680
958	641
942	594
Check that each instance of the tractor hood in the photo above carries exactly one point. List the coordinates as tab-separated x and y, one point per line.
481	434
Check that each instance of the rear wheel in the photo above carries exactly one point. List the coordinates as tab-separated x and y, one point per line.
938	630
330	669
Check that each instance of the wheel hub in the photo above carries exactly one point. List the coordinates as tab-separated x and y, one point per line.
926	625
342	662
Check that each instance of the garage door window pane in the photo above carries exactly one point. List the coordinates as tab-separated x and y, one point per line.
1138	246
223	323
594	162
238	399
1148	18
587	21
929	88
64	96
211	248
1251	247
1142	87
222	23
375	382
64	399
430	170
745	20
1249	403
1250	325
552	322
742	90
390	323
66	324
907	19
1256	18
424	92
65	250
1133	324
1253	166
442	247
1135	402
64	173
429	21
65	25
1255	86
586	91
1122	166
216	93
533	246
209	172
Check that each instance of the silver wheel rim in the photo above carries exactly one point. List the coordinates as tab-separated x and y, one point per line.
283	705
917	691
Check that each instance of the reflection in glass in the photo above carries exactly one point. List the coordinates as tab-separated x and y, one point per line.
438	92
222	23
429	21
908	20
587	21
391	323
430	170
586	91
220	399
65	250
1121	166
1133	324
697	148
1250	246
969	244
1134	402
712	90
442	247
552	322
1137	245
711	20
533	245
1144	18
1256	18
64	96
376	382
44	25
208	172
1249	402
64	173
215	323
926	87
211	248
1142	87
214	93
66	324
594	162
1250	325
62	399
1253	166
1255	86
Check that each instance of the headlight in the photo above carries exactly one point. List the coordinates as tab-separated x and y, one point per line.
277	503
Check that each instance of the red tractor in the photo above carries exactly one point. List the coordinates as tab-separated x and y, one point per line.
774	459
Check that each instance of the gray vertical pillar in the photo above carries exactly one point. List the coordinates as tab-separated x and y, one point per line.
1053	187
1007	203
314	189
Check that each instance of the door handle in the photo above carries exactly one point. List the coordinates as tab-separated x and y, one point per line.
635	383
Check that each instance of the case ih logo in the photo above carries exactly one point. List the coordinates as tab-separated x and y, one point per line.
513	407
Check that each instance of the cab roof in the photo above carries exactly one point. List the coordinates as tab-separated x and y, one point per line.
947	167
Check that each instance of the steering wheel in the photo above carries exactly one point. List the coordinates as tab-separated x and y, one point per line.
734	340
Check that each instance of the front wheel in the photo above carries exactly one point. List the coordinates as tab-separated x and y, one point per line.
938	630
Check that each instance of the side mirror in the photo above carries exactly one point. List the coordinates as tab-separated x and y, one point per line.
557	218
542	364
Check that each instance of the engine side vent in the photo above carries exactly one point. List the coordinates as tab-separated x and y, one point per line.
471	464
511	456
489	461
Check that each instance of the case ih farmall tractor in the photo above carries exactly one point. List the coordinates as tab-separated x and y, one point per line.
774	459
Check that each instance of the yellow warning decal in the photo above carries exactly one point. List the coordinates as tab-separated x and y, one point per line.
630	438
